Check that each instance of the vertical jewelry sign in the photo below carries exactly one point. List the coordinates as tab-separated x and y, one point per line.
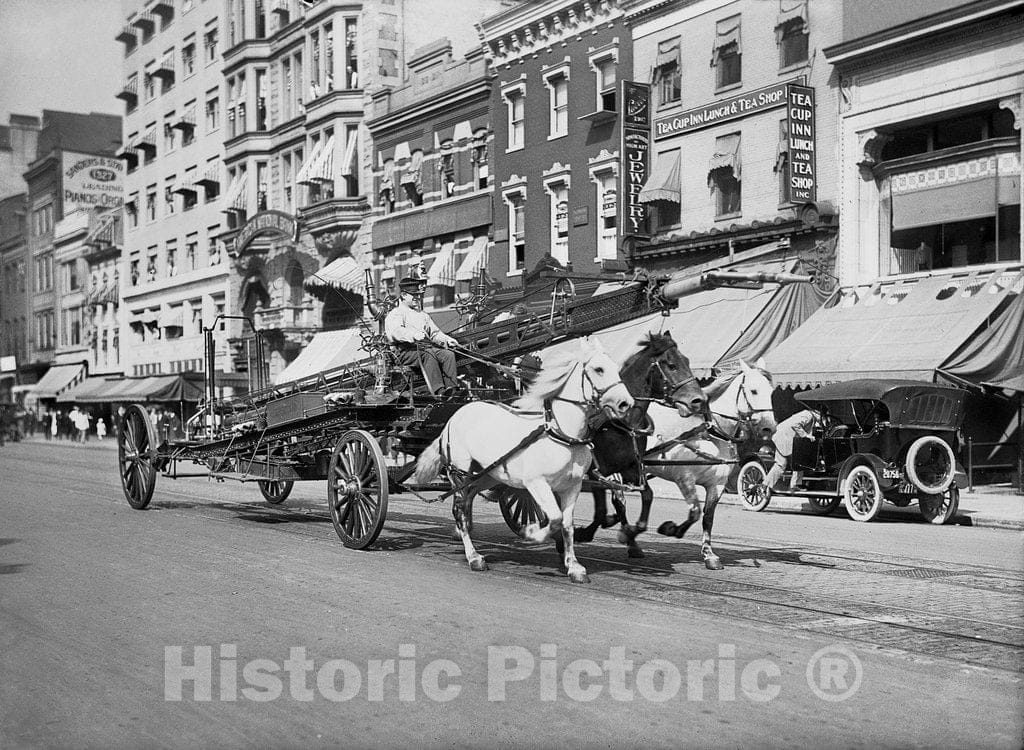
802	177
635	151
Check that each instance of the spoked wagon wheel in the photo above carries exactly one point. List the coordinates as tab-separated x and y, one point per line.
357	489
136	449
863	495
275	493
750	486
824	505
940	509
519	509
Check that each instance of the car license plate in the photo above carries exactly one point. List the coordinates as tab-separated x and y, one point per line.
891	474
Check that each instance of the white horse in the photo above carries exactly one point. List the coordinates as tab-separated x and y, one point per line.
737	398
541	445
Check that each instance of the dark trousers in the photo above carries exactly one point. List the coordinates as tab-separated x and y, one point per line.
437	364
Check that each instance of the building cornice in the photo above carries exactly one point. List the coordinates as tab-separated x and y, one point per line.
852	51
443	103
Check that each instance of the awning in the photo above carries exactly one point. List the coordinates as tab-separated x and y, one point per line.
323	169
474	260
706	325
785	313
341	273
442	270
664	182
727	155
996	357
172	318
185	386
91	391
899	329
326	351
790	11
727	31
303	173
348	164
668	54
412	175
234	198
58	379
961	201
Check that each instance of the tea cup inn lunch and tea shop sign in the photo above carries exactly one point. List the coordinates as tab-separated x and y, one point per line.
801	183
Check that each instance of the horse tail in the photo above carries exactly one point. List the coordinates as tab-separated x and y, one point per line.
428	465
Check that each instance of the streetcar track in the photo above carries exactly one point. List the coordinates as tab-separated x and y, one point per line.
892	630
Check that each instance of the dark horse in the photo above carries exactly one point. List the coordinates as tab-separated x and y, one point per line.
659	372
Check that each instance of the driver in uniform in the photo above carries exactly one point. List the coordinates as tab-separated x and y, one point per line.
417	339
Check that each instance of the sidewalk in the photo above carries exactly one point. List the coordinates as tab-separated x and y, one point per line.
988	506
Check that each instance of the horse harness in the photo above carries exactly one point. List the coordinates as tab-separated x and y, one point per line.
550	428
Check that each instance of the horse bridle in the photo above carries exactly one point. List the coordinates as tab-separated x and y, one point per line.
668	398
553	428
741	417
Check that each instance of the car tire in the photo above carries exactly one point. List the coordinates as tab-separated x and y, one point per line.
940	509
750	486
862	495
931	465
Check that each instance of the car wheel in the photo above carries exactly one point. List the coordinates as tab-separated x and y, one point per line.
940	509
750	486
824	505
931	465
862	494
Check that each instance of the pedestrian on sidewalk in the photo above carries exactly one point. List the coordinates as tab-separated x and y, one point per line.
52	432
101	428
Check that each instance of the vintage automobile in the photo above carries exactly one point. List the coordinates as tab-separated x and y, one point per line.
894	440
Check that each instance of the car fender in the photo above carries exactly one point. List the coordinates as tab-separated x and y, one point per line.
863	459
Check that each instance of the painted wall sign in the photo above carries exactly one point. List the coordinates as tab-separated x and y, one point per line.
761	100
635	149
267	222
801	176
91	181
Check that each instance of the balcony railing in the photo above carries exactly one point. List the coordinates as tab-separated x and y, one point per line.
130	91
165	68
144	23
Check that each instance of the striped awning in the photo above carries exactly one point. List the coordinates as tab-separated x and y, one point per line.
323	169
234	198
211	175
341	273
474	261
58	379
664	182
442	270
348	164
303	177
328	350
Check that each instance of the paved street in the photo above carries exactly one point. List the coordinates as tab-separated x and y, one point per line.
214	619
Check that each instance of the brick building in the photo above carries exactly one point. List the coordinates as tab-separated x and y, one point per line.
557	69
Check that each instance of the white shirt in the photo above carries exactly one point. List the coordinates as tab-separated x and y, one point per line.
406	325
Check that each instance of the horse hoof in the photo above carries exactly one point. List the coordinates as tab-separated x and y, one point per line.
635	553
713	562
667	529
478	564
579	578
